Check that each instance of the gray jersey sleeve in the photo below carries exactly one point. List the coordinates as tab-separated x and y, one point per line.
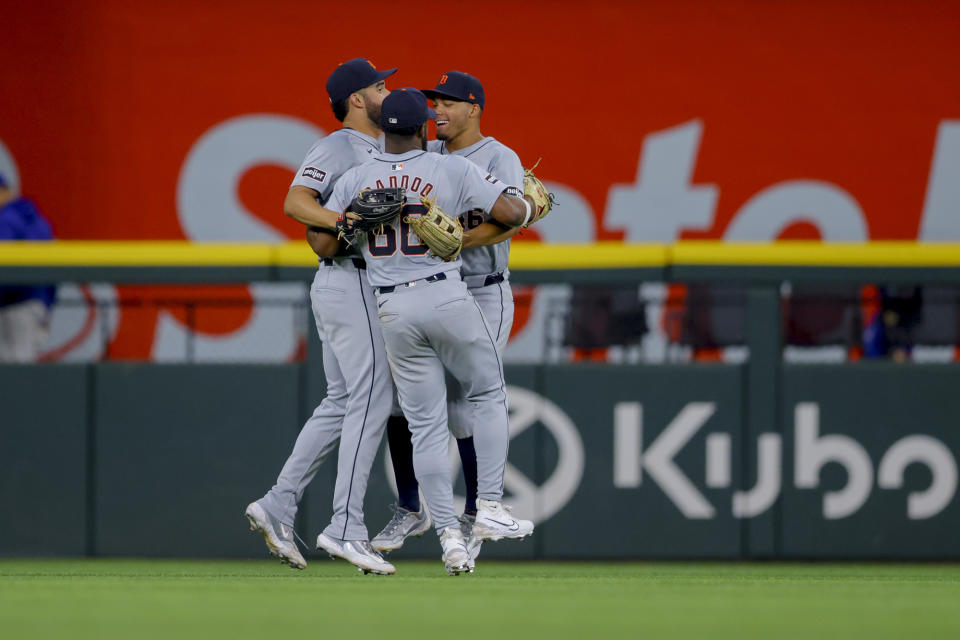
435	146
477	189
505	164
324	163
343	193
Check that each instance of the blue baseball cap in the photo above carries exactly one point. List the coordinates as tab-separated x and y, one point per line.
405	108
353	75
457	85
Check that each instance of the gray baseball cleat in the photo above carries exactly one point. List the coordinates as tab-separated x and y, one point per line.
402	525
456	560
277	535
473	542
359	553
495	522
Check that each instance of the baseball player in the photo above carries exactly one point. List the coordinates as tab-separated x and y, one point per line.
459	103
359	388
431	322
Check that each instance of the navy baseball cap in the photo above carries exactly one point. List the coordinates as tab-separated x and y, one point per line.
457	85
3	181
353	75
405	108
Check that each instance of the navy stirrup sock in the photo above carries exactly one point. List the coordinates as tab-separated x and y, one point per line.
468	458
401	453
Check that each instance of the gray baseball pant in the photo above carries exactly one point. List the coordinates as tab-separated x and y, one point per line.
426	328
359	399
496	304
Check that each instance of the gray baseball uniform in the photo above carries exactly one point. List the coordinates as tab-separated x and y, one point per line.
484	268
359	388
431	322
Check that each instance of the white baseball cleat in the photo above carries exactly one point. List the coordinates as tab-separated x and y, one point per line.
495	522
473	542
359	553
331	546
402	525
456	560
277	535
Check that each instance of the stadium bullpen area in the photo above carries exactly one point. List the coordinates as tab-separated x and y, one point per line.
104	598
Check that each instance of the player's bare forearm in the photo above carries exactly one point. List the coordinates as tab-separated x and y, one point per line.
323	243
486	234
301	205
509	210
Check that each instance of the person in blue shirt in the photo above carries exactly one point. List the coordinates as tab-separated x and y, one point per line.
24	309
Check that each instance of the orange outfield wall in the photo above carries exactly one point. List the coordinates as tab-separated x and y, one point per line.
105	101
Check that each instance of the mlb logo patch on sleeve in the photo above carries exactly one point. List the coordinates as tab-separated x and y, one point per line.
491	179
396	167
317	174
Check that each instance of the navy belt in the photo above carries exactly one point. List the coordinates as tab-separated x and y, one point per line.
393	287
493	278
357	262
478	281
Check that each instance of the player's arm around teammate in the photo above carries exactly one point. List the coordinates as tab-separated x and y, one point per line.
487	234
303	201
324	244
359	111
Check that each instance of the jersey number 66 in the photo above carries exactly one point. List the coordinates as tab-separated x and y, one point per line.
384	244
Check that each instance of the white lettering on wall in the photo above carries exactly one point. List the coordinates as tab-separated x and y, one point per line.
941	208
663	201
208	204
920	449
828	207
813	451
8	167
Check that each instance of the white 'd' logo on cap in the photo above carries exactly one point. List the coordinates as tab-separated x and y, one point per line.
392	120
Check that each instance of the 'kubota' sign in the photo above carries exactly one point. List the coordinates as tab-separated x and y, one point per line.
634	460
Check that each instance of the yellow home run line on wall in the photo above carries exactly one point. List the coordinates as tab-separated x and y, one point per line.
600	255
294	254
60	253
816	254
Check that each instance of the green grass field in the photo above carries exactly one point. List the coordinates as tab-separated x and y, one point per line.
106	598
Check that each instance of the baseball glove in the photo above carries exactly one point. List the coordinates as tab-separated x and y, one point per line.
534	189
376	208
442	233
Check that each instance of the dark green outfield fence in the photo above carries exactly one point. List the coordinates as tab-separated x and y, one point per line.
657	461
760	460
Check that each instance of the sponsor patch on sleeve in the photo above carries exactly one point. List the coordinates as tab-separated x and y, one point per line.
513	191
316	174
